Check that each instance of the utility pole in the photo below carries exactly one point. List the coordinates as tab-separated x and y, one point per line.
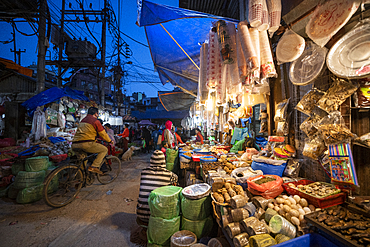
17	53
61	46
119	71
40	84
103	41
14	43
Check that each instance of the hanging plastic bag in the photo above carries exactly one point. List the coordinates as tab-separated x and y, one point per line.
314	148
39	124
333	129
309	125
338	92
281	111
309	101
292	168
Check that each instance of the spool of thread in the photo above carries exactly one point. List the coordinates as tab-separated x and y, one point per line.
239	214
233	229
238	201
251	208
279	224
269	214
281	238
218	242
253	226
226	219
260	202
261	240
241	240
183	238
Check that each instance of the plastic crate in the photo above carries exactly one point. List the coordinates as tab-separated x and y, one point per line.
308	240
324	202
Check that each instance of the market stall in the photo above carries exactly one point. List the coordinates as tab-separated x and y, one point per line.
285	137
53	117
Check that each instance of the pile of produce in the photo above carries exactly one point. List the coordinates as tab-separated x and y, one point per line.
292	208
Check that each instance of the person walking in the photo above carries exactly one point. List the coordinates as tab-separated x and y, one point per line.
146	137
155	134
168	138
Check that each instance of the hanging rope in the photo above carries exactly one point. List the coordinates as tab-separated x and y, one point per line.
180	46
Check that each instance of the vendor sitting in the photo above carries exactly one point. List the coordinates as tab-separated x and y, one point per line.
241	145
152	177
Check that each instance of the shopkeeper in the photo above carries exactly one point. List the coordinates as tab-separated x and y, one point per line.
125	137
199	137
241	145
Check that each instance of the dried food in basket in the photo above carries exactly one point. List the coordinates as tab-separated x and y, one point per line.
309	100
225	193
338	92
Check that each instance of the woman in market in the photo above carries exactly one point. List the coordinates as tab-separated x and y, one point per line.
110	132
167	136
241	145
125	137
199	137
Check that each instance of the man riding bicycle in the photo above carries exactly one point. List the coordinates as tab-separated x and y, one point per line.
87	131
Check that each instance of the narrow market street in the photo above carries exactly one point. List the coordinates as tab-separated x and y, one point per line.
102	215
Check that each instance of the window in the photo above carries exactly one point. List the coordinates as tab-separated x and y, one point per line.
83	83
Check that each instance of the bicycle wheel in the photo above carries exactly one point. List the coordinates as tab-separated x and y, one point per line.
62	185
113	168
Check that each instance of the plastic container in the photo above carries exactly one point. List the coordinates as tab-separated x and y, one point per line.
324	202
206	159
309	65
269	169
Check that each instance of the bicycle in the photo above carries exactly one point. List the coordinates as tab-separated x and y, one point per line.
63	184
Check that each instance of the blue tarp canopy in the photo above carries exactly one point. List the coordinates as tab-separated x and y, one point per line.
174	36
51	95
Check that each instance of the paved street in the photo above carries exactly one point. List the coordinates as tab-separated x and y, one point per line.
95	218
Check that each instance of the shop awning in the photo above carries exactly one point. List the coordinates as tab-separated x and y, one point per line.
174	36
175	101
52	95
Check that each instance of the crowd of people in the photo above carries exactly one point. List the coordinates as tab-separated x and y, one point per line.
151	137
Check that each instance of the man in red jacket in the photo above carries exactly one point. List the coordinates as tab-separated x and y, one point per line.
125	137
87	131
